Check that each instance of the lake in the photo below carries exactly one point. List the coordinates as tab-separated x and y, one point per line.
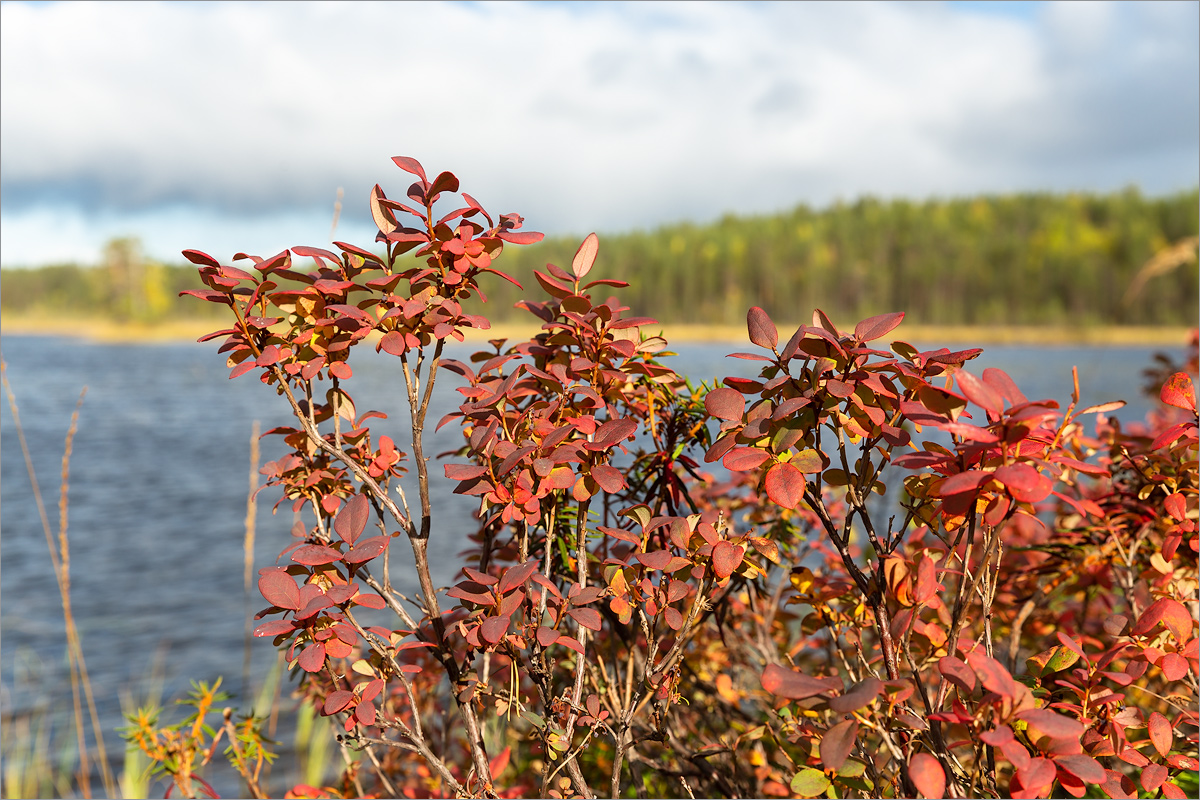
159	478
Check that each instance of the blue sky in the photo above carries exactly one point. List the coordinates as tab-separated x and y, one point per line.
230	126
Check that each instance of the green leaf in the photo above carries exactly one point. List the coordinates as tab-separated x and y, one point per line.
809	782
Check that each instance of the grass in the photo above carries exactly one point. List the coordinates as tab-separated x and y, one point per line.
179	330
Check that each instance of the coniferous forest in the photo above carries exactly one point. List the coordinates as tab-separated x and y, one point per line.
1021	259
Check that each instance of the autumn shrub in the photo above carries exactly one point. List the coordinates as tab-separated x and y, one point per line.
868	571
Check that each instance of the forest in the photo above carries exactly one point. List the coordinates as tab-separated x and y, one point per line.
1020	259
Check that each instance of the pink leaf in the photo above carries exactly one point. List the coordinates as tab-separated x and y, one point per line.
316	554
411	165
1052	724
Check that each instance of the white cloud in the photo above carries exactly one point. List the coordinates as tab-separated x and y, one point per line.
580	116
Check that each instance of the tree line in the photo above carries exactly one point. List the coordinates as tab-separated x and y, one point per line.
1018	259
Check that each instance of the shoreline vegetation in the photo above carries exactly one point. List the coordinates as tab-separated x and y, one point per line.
97	329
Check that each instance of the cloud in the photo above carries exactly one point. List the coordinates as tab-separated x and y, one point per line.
581	116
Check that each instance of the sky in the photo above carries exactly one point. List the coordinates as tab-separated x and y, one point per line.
230	127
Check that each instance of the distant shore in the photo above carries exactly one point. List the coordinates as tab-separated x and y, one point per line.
107	330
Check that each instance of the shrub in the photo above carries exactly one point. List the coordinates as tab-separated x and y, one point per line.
632	619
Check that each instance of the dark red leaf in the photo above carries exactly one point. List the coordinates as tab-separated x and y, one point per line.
762	330
793	685
726	557
875	327
956	671
837	743
515	577
927	775
353	518
493	629
546	636
859	695
785	485
587	617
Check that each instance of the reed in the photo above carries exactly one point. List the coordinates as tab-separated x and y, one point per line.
60	559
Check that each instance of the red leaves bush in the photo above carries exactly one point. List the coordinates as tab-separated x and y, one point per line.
1015	618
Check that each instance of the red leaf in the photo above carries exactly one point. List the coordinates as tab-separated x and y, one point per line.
520	237
956	671
585	256
1052	724
743	459
315	554
464	472
1037	777
783	682
658	559
515	577
1178	391
963	482
497	764
370	601
979	392
411	165
275	627
927	775
762	330
313	658
875	327
242	368
201	258
1086	768
367	549
1171	613
336	701
1161	735
1025	483
992	674
1176	507
353	518
725	403
726	557
279	589
546	636
611	480
493	629
587	617
785	485
393	342
614	431
859	695
567	641
1000	382
837	743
